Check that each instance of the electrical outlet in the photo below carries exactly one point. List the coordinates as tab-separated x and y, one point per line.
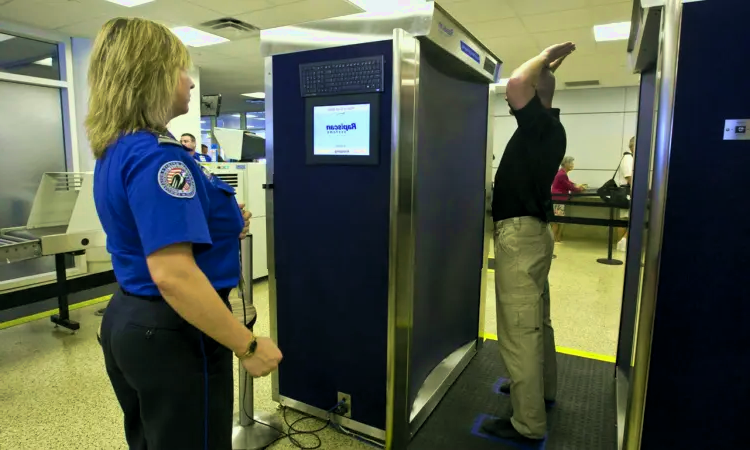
347	400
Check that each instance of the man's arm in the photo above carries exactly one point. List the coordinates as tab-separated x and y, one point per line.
522	84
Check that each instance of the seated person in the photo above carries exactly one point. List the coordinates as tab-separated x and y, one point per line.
203	156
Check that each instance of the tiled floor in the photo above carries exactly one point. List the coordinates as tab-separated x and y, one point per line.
54	393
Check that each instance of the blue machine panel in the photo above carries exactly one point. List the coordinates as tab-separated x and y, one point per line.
331	248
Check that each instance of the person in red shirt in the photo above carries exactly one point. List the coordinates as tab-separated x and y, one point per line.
563	187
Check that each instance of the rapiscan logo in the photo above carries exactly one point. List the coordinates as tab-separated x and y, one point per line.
340	129
444	29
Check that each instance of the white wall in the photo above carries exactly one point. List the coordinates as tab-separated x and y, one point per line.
189	123
599	123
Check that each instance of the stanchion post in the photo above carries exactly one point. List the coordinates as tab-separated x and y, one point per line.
251	430
609	261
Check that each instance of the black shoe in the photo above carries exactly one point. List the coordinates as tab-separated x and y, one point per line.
101	312
503	429
505	390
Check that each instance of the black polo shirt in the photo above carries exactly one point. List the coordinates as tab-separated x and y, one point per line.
523	181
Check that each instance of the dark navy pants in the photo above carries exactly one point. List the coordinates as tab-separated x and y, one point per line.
174	383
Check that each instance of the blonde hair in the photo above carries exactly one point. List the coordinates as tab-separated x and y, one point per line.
134	73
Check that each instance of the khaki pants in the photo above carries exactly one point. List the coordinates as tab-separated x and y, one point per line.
523	255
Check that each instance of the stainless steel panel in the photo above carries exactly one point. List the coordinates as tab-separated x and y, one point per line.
669	50
436	385
359	427
454	38
270	233
736	130
401	253
645	52
14	251
427	19
488	225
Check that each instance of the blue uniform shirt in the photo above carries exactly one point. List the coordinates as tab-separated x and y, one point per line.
150	194
200	157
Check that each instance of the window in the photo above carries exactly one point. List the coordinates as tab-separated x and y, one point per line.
256	121
229	121
29	57
37	135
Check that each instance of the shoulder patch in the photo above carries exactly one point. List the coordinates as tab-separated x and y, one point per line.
168	140
176	180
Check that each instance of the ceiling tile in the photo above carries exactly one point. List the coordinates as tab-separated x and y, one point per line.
299	12
513	47
531	7
473	11
497	28
175	12
235	7
607	2
51	14
564	20
582	37
619	12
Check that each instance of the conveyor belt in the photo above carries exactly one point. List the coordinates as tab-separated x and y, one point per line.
16	248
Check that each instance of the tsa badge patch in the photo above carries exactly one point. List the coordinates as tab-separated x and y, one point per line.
176	180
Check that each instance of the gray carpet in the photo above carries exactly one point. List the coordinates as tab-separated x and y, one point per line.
584	417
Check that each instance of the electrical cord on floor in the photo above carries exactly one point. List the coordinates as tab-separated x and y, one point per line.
292	430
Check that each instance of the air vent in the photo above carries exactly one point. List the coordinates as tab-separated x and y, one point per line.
229	178
229	28
585	83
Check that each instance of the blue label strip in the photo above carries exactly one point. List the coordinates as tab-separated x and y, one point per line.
470	51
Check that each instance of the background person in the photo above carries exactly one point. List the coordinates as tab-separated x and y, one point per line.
168	334
188	141
203	156
563	185
625	179
521	210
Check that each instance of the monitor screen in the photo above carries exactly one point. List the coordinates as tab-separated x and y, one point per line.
341	130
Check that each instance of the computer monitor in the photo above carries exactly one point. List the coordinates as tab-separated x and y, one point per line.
210	105
253	147
240	145
343	129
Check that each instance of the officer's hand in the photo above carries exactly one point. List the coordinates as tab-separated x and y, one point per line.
246	215
265	360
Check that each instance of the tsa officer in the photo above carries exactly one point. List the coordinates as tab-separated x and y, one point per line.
168	334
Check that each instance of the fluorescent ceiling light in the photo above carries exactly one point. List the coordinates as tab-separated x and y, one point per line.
251	116
255	95
5	37
130	3
612	32
44	62
197	38
235	115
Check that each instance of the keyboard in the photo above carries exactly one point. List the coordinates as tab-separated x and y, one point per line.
347	76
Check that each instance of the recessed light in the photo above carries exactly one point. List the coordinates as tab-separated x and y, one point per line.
255	95
5	37
44	62
130	3
612	32
196	38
